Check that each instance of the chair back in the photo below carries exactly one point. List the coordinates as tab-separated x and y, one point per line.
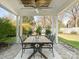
48	36
21	40
52	38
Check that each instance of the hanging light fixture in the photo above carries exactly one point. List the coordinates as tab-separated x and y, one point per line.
37	11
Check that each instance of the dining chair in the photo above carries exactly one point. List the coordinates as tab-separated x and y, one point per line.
23	45
52	39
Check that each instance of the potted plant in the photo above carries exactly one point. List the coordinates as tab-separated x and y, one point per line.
48	31
38	30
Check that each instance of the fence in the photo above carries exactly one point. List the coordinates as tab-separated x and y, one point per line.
69	30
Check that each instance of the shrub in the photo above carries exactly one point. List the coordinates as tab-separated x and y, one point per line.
73	32
38	30
48	31
60	32
6	27
29	32
7	30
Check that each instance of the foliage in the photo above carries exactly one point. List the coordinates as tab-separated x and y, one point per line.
60	32
73	32
38	30
29	32
24	30
48	31
48	27
60	24
7	30
6	27
74	18
28	19
8	40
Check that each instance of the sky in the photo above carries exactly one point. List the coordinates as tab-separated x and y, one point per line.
4	13
37	18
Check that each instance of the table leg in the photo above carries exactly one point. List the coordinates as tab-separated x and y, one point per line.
34	52
52	50
42	54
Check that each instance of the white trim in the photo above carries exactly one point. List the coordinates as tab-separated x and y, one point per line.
64	10
7	9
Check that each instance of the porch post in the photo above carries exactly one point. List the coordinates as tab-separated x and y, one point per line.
21	19
52	25
55	26
17	29
56	29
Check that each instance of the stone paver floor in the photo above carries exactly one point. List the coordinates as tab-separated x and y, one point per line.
60	51
11	52
65	52
48	54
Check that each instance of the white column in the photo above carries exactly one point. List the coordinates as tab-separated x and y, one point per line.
17	29
20	24
56	17
53	24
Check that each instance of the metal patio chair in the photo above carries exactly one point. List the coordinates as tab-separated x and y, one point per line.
23	45
52	39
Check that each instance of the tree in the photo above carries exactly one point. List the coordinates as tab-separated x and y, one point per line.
60	24
28	19
75	16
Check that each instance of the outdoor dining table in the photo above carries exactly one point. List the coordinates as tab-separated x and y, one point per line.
37	44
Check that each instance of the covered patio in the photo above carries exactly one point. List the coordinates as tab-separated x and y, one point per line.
52	8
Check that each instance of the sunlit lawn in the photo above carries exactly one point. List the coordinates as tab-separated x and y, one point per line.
70	39
73	37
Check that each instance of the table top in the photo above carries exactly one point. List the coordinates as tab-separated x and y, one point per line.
35	39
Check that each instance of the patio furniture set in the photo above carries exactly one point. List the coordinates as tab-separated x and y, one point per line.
37	43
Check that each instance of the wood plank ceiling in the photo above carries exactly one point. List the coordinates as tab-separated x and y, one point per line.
36	3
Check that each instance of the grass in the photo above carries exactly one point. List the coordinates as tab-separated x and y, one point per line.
8	40
72	37
74	44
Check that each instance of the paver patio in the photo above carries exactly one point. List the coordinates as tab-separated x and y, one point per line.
38	56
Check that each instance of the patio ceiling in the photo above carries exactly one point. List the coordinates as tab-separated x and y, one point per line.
27	7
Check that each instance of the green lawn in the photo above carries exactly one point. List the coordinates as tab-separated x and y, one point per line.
74	44
72	37
8	40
